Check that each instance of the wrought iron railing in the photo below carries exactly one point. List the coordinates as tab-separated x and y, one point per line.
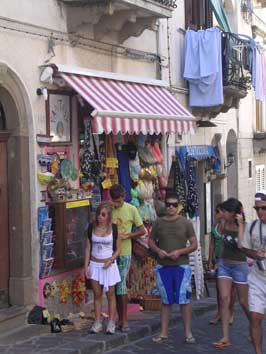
169	3
236	62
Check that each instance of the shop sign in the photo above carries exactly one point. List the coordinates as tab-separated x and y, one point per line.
77	204
107	183
111	162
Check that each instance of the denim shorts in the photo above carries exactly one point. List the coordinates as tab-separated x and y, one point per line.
237	272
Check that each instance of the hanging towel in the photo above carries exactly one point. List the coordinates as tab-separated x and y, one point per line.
203	67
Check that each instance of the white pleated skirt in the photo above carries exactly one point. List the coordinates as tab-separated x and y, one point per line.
105	277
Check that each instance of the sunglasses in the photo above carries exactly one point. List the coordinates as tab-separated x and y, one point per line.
174	205
257	208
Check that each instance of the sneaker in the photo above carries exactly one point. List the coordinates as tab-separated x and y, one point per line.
110	329
96	327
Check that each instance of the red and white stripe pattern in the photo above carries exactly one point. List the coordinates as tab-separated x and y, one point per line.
126	107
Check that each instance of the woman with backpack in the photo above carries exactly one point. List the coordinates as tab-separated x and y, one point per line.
232	267
102	250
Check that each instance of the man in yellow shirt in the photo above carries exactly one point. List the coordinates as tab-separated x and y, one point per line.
125	216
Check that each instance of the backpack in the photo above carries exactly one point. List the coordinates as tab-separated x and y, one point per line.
252	227
114	231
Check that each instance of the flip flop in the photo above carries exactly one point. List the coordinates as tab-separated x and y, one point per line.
124	329
190	340
159	339
221	344
215	321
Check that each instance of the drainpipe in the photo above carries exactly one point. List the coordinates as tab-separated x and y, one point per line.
168	54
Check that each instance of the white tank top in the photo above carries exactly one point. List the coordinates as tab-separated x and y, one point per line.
102	247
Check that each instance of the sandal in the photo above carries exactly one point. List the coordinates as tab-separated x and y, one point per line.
215	320
159	339
221	344
190	340
124	329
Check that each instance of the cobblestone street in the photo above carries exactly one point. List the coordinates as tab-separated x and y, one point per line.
205	335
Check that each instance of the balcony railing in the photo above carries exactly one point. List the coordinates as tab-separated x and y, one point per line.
169	3
236	76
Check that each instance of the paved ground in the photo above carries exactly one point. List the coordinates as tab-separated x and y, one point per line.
38	340
32	340
205	334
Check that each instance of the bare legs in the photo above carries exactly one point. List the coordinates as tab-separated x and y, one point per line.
225	286
121	303
166	311
111	303
97	293
231	304
256	331
186	312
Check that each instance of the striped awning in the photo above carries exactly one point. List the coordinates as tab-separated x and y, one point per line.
125	106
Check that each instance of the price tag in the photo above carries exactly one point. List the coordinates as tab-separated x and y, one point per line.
111	162
107	183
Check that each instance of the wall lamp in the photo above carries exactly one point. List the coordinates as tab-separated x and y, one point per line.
230	160
42	91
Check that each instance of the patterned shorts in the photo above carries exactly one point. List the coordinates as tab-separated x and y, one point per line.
123	263
174	283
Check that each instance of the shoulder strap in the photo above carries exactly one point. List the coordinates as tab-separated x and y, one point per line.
252	227
115	235
90	231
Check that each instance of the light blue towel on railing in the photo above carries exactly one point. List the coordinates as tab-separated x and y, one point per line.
203	67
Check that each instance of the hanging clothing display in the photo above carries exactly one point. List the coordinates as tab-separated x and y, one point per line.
192	196
180	185
203	67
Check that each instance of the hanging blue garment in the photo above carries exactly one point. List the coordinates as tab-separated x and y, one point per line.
192	195
123	170
203	67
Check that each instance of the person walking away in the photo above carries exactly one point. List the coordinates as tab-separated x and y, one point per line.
232	268
252	241
102	250
125	216
169	237
214	255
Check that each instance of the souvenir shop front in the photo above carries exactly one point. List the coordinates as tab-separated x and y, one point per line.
196	168
101	129
192	172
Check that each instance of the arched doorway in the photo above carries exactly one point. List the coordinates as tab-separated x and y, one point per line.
4	238
16	281
231	169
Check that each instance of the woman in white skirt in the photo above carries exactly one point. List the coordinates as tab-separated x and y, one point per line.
102	250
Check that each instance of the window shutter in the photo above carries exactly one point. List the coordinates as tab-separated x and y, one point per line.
198	14
260	178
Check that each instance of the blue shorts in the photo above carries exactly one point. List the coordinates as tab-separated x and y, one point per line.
174	283
237	272
123	263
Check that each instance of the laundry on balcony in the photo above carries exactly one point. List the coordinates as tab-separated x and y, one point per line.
203	67
221	67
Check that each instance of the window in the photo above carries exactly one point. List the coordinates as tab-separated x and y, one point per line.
2	118
260	178
249	168
260	116
198	14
